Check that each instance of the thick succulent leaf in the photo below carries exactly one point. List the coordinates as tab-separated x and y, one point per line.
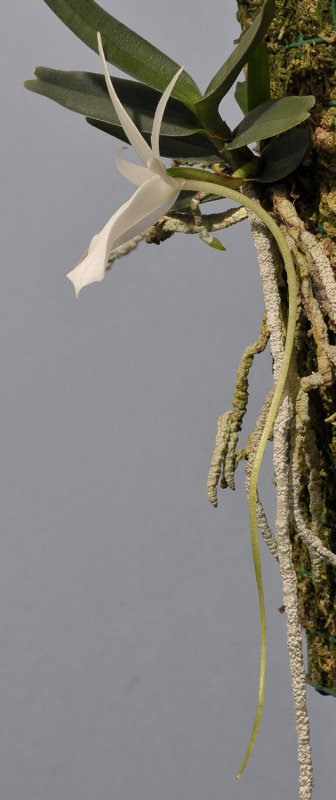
195	147
258	77
271	118
124	48
225	77
86	93
282	155
241	95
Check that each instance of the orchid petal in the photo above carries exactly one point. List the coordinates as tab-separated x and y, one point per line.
160	109
136	139
154	198
133	172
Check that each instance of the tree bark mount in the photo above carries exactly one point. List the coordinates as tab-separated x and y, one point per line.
301	44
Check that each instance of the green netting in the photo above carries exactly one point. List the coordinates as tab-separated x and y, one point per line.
315	684
331	639
317	39
321	689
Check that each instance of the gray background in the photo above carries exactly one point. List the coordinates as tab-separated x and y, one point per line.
129	617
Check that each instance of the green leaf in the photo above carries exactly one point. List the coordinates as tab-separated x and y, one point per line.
86	93
225	77
193	148
271	118
282	155
258	77
124	48
241	96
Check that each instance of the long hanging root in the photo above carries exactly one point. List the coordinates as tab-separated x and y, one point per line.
239	402
318	264
325	352
219	454
284	550
123	249
254	440
318	295
179	222
194	181
223	462
303	441
288	576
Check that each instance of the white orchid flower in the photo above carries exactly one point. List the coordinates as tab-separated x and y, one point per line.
155	196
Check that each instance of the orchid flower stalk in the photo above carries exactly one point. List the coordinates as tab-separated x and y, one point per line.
156	193
158	189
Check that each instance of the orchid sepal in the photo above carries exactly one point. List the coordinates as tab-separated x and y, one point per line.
156	194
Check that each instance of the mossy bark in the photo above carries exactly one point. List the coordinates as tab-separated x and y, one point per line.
302	50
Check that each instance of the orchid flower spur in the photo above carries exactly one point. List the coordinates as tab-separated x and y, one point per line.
156	193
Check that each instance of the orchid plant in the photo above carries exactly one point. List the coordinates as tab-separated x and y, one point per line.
181	122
